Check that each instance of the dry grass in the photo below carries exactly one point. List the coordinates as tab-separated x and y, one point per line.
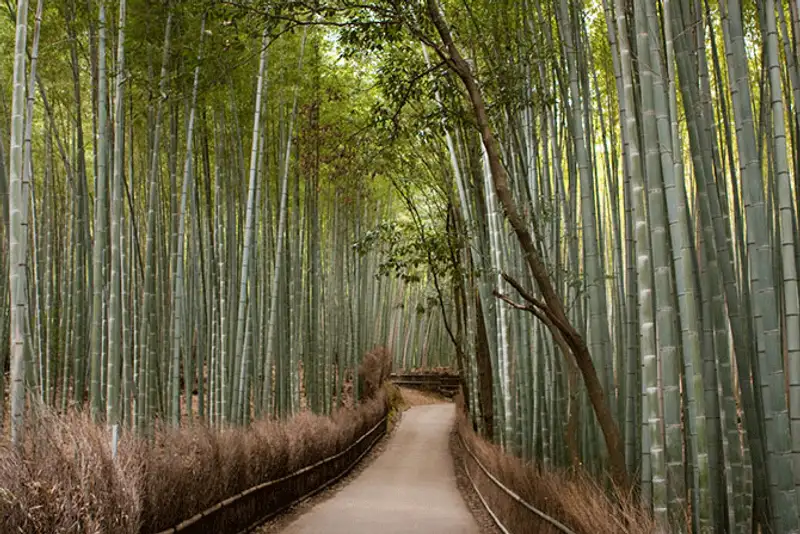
63	479
574	499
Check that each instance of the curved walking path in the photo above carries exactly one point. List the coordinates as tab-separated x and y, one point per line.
410	488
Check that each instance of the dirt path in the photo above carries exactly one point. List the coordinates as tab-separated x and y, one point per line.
411	487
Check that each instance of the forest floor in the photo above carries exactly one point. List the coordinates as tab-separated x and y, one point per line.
416	397
410	487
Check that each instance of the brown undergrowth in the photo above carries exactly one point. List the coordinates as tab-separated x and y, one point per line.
374	370
63	478
573	498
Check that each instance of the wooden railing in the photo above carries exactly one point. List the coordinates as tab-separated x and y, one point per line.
246	510
536	514
444	384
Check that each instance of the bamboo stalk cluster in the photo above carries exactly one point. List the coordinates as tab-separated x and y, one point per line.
173	268
649	163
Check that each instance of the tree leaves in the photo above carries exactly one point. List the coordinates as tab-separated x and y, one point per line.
405	253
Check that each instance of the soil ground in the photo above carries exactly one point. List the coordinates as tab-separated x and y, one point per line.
410	487
415	397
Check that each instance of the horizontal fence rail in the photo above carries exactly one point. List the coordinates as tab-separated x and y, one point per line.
511	494
246	510
445	384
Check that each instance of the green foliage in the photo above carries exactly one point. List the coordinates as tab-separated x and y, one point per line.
405	253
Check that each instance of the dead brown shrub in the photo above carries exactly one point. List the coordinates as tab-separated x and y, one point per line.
196	467
573	498
63	479
374	370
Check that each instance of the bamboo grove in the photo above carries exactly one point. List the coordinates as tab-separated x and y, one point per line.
589	206
619	178
181	202
624	176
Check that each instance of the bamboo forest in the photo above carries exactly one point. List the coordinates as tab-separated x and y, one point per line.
229	225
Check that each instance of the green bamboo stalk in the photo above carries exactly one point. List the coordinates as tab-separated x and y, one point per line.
240	361
178	288
644	282
279	248
16	201
768	371
115	325
788	237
